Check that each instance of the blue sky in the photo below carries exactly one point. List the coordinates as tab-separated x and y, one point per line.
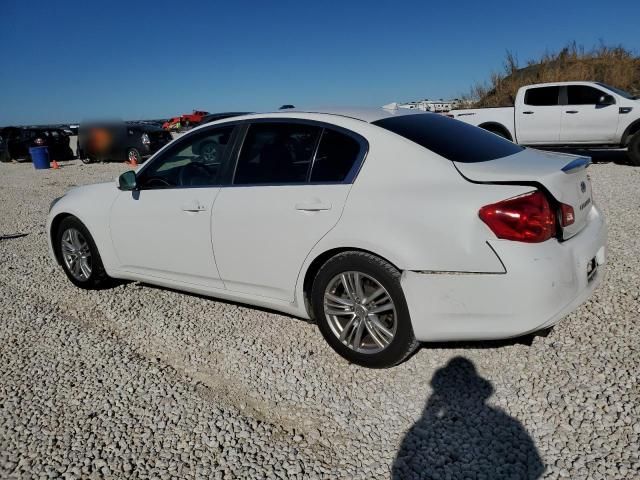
66	61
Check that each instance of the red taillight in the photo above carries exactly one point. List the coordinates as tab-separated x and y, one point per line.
526	218
568	217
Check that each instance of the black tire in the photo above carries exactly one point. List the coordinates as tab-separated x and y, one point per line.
98	278
498	132
403	343
133	152
633	151
86	159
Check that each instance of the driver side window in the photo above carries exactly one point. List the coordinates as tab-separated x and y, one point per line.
199	160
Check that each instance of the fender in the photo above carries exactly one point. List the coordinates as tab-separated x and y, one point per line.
495	126
629	132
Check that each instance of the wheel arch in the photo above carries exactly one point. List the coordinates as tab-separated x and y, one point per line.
629	132
319	260
497	128
55	224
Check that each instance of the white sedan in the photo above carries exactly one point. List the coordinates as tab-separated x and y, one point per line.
386	227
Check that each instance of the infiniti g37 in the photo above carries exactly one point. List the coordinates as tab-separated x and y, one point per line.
385	227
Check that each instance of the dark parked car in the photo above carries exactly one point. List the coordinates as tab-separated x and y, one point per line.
4	155
212	117
20	139
120	141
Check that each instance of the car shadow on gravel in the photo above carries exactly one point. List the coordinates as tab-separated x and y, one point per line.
460	436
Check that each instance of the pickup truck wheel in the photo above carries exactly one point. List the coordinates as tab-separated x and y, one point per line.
633	150
498	132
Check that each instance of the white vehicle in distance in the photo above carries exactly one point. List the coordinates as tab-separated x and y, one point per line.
569	114
385	227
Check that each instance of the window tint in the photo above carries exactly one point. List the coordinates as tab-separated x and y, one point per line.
583	95
336	155
542	96
276	153
197	160
449	138
619	91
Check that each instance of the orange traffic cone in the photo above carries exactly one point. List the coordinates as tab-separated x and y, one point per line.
55	165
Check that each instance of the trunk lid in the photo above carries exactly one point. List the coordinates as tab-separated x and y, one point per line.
564	176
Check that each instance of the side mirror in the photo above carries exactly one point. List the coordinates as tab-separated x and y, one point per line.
127	181
606	100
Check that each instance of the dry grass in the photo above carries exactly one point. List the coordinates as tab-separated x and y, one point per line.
615	66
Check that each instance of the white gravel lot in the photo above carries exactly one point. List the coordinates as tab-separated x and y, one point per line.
141	382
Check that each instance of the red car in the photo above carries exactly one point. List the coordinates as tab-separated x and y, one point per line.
186	120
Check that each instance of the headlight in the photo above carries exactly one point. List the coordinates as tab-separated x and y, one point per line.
55	200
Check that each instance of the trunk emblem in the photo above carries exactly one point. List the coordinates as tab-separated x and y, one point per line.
583	187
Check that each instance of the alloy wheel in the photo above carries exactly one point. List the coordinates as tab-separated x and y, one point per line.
360	312
209	152
76	254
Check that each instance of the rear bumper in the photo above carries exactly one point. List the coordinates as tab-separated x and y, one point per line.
542	284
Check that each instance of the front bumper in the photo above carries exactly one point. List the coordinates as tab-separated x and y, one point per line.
542	284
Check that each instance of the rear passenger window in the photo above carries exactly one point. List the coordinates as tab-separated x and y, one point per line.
276	153
336	156
542	96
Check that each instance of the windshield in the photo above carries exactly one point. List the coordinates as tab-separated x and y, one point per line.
449	138
620	92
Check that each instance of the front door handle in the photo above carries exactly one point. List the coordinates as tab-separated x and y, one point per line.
313	206
194	206
528	112
572	111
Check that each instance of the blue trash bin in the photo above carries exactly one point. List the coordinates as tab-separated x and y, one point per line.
40	157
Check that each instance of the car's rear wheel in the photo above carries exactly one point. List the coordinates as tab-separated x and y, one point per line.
361	310
79	256
633	150
133	155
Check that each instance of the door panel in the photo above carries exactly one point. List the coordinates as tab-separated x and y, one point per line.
262	234
538	120
166	233
164	229
541	125
584	121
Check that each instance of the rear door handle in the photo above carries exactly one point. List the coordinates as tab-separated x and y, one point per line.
571	111
528	112
313	206
194	206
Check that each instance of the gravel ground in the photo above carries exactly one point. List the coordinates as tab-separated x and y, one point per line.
143	382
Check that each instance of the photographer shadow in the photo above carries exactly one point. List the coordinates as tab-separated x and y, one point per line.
460	436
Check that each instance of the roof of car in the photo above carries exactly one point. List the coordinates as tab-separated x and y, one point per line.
366	114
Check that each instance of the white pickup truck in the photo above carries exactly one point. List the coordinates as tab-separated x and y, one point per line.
565	114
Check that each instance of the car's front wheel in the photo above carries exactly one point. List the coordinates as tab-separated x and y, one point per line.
634	149
79	256
361	310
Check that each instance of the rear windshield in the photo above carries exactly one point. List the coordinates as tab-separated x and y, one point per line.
452	139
